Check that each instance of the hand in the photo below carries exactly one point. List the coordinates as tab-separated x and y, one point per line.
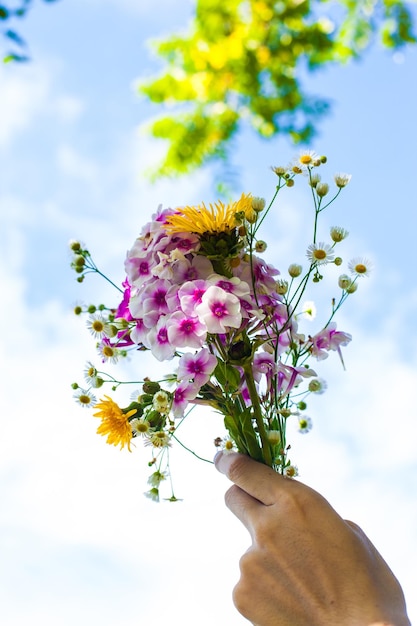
306	565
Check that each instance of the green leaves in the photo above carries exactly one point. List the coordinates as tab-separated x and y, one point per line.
241	61
17	53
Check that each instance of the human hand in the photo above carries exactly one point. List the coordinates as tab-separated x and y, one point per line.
306	565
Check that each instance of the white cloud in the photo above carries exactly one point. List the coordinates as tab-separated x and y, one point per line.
74	165
26	93
23	94
68	108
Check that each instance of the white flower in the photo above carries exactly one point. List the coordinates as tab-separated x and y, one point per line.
360	266
320	253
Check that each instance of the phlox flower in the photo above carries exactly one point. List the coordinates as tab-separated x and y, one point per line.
328	339
185	331
183	394
263	363
219	310
163	269
185	242
151	302
139	333
185	269
158	341
139	269
232	285
123	308
190	295
289	377
258	274
197	367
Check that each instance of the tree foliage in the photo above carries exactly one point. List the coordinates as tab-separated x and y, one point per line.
244	60
15	45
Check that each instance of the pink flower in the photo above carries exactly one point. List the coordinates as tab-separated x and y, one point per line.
185	331
158	342
139	334
219	310
198	267
289	377
197	367
123	308
190	295
263	363
328	339
183	394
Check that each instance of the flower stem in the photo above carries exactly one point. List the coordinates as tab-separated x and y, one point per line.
257	410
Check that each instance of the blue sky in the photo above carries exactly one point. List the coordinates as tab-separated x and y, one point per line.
79	542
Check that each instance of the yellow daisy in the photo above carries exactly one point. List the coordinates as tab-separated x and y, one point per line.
217	218
114	423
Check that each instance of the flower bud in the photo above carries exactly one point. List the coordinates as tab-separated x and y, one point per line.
75	246
337	233
352	288
290	182
258	204
323	159
274	437
344	281
342	180
314	180
150	387
78	310
281	287
322	189
260	246
251	216
338	261
279	170
302	405
295	270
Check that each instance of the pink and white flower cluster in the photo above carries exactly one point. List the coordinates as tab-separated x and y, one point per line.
177	305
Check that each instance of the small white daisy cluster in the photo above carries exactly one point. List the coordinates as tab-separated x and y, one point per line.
198	294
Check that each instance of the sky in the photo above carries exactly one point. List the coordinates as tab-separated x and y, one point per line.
79	542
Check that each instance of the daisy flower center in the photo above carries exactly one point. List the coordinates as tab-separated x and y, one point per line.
84	399
320	254
360	268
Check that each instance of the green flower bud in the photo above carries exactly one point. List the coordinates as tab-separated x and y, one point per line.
150	387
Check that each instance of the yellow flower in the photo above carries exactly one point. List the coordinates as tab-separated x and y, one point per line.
114	423
215	219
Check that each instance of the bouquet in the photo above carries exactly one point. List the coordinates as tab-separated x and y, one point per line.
198	293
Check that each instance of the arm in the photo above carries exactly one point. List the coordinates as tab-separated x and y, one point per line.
306	565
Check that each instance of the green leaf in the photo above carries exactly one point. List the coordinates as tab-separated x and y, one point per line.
227	376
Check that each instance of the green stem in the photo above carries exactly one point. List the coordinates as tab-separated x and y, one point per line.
257	410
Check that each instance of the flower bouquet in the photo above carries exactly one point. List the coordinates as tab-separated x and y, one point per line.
199	294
